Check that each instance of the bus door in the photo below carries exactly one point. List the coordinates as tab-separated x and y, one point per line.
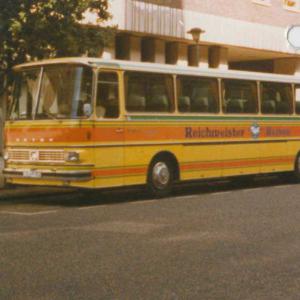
276	105
109	131
240	153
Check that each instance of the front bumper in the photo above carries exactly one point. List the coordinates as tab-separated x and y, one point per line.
72	175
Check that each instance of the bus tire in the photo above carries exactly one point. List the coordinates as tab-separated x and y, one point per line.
160	177
297	168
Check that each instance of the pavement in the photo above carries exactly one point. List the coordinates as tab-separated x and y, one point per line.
207	242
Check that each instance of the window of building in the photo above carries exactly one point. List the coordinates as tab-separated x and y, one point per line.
239	96
262	2
297	99
293	5
107	102
276	98
197	95
148	92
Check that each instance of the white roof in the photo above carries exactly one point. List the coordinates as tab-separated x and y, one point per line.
163	68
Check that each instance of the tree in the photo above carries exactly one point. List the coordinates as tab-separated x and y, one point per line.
36	29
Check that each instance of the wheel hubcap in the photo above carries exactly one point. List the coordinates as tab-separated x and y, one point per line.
161	175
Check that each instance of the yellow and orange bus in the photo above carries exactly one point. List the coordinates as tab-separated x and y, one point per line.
91	123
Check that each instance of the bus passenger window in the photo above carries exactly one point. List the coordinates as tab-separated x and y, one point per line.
197	95
107	103
276	98
240	96
297	99
148	92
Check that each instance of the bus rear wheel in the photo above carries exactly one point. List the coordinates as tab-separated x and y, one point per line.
160	178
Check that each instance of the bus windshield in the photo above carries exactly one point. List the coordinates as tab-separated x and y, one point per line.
53	92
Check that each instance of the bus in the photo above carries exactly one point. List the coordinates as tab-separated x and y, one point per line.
93	123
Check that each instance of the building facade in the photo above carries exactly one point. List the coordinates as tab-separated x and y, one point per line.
244	34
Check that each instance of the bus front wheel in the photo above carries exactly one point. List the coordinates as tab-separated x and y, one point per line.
160	178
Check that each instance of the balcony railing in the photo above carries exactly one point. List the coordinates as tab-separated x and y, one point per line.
154	19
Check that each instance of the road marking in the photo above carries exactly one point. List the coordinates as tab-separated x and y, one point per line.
282	186
290	185
142	201
189	197
221	193
28	213
251	190
89	207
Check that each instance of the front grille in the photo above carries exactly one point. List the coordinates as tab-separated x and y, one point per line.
36	155
49	155
18	155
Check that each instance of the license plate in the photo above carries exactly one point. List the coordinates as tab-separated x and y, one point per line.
32	174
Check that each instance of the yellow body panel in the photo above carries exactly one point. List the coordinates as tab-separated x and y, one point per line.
201	153
117	155
239	152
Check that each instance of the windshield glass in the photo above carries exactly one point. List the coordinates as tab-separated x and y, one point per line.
65	93
25	94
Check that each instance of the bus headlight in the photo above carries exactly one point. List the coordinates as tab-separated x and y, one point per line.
72	157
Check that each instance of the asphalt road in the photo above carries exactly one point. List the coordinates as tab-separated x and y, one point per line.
211	241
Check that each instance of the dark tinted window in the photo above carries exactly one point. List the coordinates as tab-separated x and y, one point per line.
239	96
147	92
107	102
276	98
197	95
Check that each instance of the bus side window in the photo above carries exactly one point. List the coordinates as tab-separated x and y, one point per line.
135	93
197	95
148	92
239	96
107	102
297	99
276	98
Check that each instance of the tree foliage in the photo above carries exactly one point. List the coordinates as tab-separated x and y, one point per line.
36	29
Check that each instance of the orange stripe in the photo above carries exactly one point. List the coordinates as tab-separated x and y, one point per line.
140	133
234	164
196	166
120	172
